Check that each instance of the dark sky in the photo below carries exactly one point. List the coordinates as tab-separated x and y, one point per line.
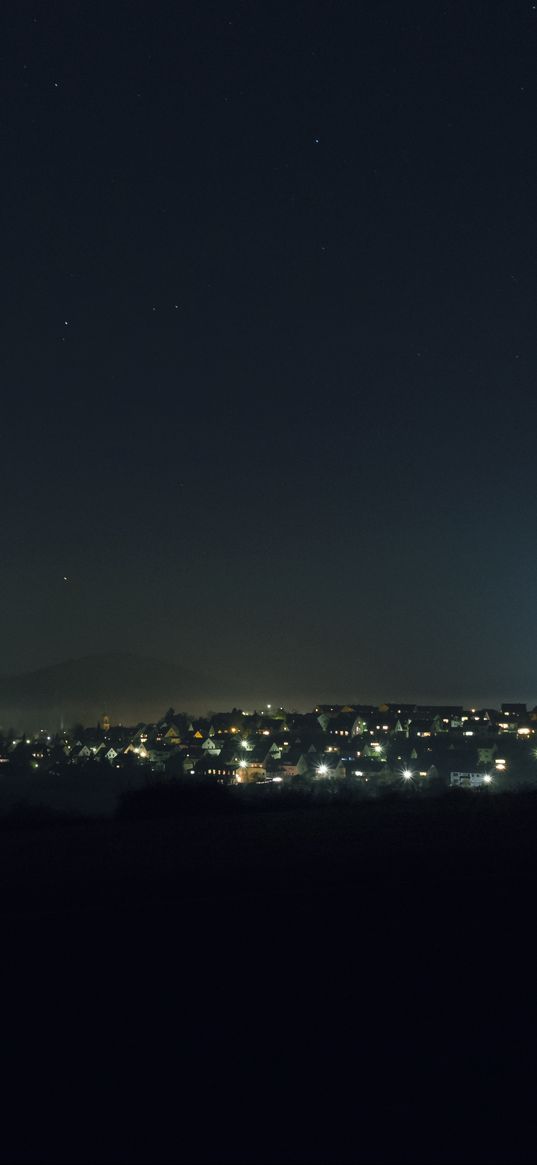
269	308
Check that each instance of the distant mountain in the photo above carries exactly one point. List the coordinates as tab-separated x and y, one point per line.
127	687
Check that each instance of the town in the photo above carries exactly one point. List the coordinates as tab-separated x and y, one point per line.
372	748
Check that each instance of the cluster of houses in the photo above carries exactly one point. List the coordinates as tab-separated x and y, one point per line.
391	742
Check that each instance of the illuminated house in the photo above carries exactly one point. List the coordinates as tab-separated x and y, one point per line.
468	780
213	768
212	747
515	711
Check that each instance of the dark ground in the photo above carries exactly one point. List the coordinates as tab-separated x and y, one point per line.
342	984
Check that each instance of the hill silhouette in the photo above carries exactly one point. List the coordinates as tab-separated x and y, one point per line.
126	686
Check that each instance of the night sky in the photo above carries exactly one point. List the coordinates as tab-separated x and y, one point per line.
269	343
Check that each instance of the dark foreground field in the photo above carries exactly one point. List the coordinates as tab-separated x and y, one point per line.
343	984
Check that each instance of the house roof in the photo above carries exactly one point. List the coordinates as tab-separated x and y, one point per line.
292	755
344	720
433	710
